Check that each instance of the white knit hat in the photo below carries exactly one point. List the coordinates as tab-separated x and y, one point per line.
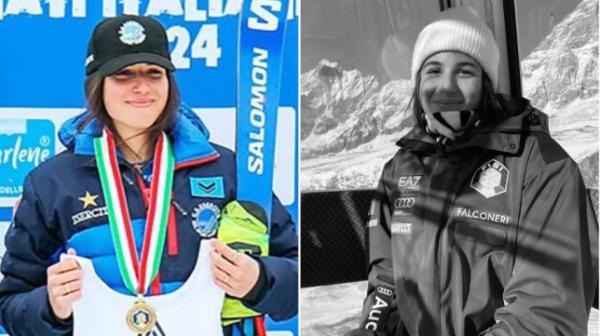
458	29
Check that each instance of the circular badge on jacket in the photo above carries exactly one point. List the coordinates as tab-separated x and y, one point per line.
205	219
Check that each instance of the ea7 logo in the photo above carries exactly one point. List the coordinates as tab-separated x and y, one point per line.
265	19
410	182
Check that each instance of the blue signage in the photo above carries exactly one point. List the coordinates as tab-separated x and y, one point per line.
6	214
44	43
24	144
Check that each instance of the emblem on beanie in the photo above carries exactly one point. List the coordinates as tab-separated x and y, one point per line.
131	33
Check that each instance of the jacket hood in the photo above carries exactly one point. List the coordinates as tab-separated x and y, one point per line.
189	136
504	136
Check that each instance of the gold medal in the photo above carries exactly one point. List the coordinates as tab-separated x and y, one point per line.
141	318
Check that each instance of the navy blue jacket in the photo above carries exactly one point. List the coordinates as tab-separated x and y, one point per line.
52	216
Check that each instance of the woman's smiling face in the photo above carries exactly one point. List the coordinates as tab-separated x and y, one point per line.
135	96
450	81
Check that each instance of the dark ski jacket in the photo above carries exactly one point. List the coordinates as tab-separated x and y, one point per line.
494	236
53	216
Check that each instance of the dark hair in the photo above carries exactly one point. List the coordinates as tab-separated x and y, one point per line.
94	93
489	110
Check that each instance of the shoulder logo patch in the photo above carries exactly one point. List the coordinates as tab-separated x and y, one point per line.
89	200
491	179
211	187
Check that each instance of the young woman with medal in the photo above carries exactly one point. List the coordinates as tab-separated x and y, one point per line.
113	236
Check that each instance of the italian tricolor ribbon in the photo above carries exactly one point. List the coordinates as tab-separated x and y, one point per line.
137	273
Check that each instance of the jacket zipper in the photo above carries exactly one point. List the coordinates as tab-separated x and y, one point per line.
172	244
444	218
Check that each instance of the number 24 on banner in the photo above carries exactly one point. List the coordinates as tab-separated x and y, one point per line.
205	45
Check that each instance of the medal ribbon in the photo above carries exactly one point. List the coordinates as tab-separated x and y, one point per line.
260	53
137	274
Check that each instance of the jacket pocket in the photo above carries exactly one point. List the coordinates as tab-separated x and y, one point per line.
492	235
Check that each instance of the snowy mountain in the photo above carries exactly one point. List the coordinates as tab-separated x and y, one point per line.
563	68
350	121
560	77
343	109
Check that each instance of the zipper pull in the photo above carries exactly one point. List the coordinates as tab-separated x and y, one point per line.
179	208
127	179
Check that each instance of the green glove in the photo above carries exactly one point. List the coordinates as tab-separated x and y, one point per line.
242	226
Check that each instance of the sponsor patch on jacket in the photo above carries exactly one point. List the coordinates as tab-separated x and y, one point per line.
402	228
490	179
86	215
89	200
211	187
205	219
409	182
403	206
379	309
483	215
